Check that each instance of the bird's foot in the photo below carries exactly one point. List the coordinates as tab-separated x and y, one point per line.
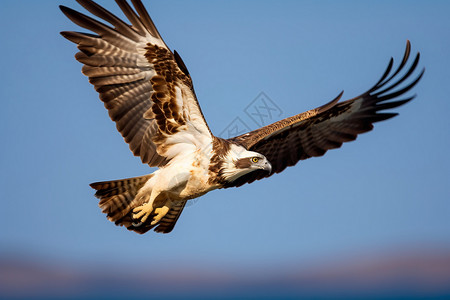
142	212
160	213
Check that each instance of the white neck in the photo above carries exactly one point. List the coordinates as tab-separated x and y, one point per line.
229	170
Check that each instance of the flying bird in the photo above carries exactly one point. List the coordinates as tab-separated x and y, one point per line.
149	94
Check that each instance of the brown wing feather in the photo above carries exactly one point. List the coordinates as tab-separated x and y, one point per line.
140	81
314	132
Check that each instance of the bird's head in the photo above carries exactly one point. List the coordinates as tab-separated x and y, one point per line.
239	162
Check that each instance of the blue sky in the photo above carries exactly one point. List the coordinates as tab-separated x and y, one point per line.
387	190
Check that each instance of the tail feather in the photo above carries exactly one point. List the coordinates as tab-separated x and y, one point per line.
116	196
117	200
167	223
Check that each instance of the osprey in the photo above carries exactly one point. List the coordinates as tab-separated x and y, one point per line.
148	93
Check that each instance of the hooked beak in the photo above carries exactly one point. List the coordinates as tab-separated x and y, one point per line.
267	167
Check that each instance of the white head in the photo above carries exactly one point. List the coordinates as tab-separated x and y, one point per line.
239	162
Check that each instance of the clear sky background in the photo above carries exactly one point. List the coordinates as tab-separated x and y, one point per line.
387	190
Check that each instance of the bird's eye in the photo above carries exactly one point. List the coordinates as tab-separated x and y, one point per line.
255	159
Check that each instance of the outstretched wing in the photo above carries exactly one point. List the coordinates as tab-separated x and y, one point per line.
316	131
145	87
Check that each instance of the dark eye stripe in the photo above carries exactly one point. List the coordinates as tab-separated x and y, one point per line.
243	163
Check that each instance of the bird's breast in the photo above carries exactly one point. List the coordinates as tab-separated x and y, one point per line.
197	183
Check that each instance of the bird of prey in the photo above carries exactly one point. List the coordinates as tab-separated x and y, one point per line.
149	94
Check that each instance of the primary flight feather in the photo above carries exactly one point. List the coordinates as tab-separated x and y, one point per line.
148	93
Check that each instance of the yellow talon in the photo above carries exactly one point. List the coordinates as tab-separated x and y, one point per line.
160	213
143	211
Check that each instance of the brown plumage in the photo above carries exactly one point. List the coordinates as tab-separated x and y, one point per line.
112	66
116	196
313	133
117	200
149	94
139	93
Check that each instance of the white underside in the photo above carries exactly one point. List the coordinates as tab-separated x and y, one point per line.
184	177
